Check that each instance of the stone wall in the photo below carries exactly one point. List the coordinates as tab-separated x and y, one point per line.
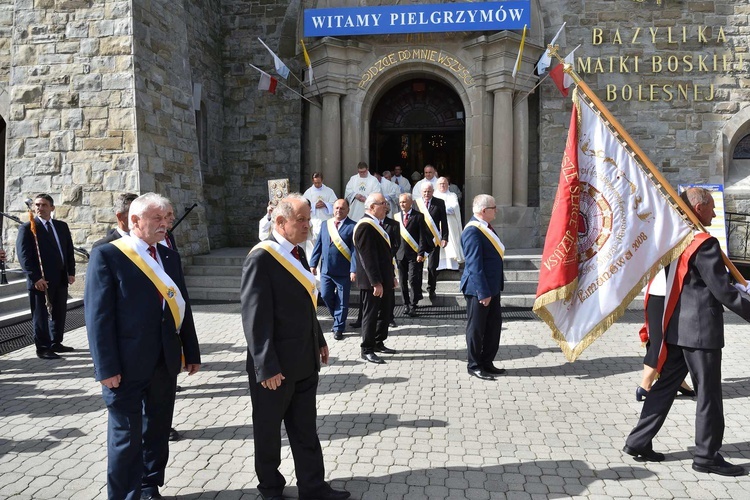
682	136
168	157
262	131
70	121
205	33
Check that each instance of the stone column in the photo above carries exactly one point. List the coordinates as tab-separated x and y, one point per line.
521	153
315	139
502	148
331	134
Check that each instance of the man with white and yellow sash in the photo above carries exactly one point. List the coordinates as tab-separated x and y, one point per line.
376	277
285	347
415	242
481	284
141	334
334	251
436	218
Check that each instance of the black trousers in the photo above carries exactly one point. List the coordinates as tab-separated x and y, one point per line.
704	366
377	313
139	418
294	404
483	327
48	330
432	272
410	276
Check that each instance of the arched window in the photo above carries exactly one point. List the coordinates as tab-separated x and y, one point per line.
742	150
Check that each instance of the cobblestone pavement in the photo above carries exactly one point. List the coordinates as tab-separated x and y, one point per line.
417	427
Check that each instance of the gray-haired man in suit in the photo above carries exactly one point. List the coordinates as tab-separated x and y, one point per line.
694	338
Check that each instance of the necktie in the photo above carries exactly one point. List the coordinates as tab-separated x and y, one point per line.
491	228
336	223
295	252
406	218
152	253
48	226
427	205
168	242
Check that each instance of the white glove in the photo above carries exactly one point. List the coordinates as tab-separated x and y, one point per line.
741	287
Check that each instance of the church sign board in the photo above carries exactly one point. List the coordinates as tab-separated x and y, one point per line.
434	18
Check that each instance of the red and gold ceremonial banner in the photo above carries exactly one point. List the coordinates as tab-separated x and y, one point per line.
612	228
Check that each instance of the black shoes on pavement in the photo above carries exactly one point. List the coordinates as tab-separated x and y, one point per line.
721	467
647	455
372	358
47	354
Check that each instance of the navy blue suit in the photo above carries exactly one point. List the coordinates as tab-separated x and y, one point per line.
48	331
482	278
132	334
334	271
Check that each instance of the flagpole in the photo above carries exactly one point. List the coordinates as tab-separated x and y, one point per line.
288	87
290	71
599	105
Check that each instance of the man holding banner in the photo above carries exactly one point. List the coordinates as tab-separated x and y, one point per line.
334	250
481	284
697	289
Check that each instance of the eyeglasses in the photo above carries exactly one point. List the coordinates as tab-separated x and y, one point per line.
378	202
490	208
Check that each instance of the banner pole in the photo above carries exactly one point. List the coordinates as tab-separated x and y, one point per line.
599	105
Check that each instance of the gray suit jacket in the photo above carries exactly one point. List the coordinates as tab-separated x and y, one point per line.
698	319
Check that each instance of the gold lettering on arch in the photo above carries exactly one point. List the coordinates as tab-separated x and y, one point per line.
451	63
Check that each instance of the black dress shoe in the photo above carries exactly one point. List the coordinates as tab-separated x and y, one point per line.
173	434
480	374
412	312
355	324
148	495
493	370
647	455
329	495
433	296
382	348
46	354
721	467
178	389
372	358
61	348
686	391
338	336
392	324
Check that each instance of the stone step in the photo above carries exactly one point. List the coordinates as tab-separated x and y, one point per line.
19	316
15	302
215	282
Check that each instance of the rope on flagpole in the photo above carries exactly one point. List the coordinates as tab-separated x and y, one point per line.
628	140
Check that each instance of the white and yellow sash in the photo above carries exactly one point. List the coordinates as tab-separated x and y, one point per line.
494	239
405	235
158	276
370	221
333	232
430	221
286	259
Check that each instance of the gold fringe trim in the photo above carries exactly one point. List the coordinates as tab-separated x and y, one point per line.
560	293
596	332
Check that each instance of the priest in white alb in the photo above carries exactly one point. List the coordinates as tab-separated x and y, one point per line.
360	185
321	199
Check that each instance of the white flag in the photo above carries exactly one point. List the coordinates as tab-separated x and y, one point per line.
544	62
281	68
610	231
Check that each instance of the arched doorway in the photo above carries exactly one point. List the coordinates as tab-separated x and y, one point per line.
419	122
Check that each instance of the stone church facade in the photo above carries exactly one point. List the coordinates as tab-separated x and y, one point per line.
98	97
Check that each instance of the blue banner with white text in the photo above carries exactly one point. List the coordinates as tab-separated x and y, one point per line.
383	20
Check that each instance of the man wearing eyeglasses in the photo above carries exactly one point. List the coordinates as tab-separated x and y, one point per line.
481	284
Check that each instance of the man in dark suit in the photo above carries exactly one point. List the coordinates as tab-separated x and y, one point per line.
392	228
50	281
415	239
436	219
334	250
122	207
481	284
139	325
694	338
285	347
375	275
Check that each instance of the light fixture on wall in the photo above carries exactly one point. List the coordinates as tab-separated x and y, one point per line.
437	141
